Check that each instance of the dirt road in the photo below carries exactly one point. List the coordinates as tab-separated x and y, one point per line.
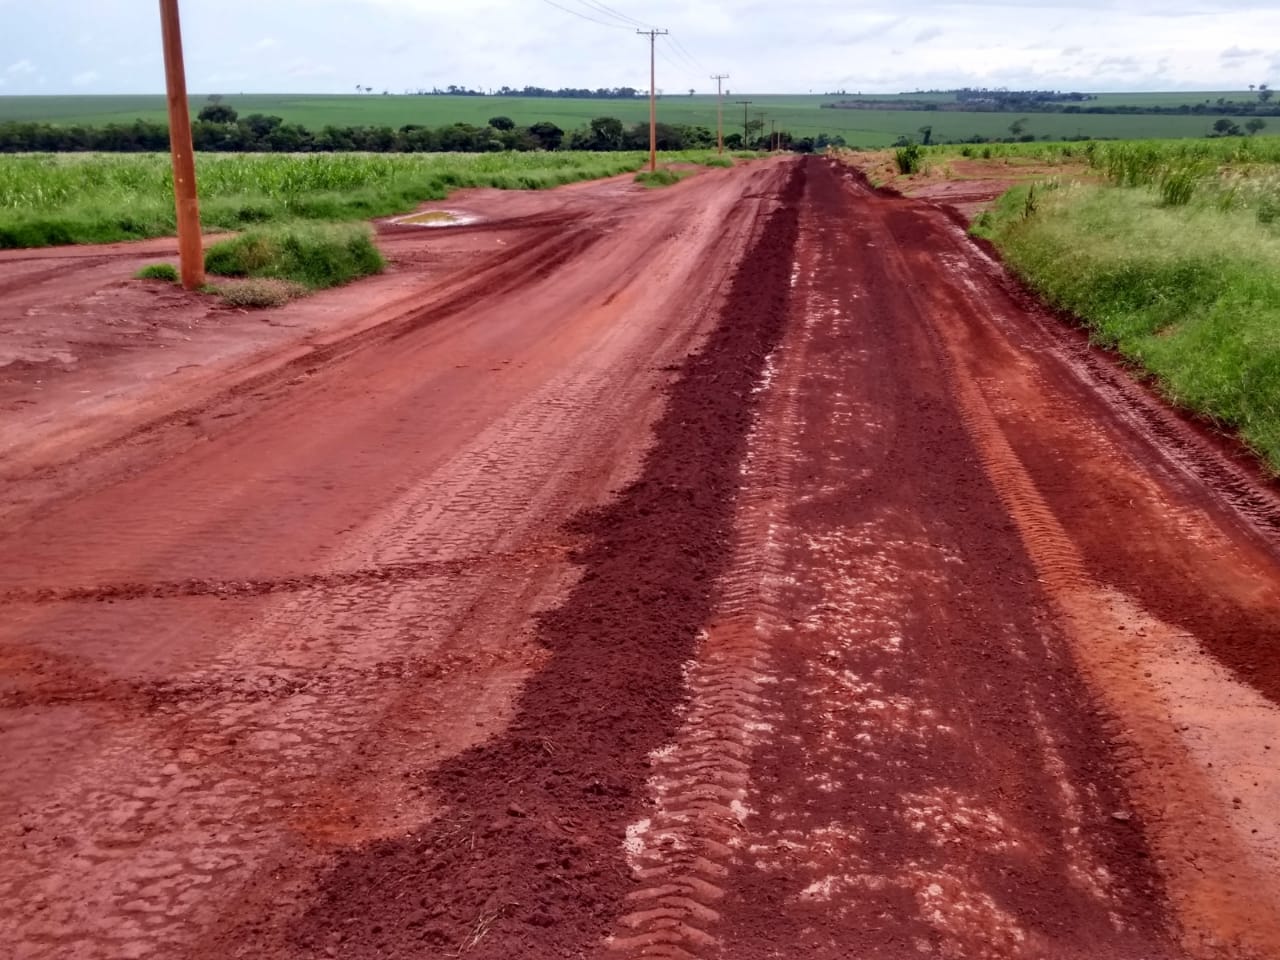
743	570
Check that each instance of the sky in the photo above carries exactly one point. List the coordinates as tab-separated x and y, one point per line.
794	46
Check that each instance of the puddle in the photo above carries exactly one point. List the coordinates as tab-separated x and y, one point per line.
438	218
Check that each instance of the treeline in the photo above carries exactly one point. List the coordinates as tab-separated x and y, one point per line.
219	129
1003	95
1263	107
564	93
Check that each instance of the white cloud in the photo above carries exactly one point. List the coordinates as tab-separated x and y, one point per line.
85	78
808	44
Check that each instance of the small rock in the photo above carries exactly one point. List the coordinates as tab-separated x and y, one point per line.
1122	815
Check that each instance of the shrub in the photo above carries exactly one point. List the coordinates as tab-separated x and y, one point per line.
315	256
717	162
1268	210
908	158
1178	185
158	271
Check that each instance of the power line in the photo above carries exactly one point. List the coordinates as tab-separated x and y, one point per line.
679	67
583	16
685	62
610	12
686	54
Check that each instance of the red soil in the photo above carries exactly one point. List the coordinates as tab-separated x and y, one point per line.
743	569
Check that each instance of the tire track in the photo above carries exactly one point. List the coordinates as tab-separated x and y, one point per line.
1181	719
543	873
681	851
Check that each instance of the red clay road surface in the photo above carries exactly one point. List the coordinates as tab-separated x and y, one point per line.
741	570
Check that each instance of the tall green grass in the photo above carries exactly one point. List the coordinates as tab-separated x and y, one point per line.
1190	290
86	198
314	255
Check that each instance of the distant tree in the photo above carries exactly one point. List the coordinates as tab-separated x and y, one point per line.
606	134
691	91
926	135
1255	125
259	126
217	97
1018	126
1265	93
502	123
547	134
217	113
1224	127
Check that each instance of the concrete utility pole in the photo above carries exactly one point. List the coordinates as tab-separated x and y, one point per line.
653	99
745	104
190	247
719	78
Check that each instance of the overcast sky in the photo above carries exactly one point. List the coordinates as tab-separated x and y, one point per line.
113	46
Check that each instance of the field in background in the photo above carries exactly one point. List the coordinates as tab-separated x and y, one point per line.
800	114
100	198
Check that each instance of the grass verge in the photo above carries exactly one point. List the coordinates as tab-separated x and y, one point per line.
1189	292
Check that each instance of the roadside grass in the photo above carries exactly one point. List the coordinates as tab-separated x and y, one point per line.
158	271
1188	291
48	199
313	256
661	178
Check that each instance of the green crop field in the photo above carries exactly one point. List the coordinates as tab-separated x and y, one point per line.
800	114
97	198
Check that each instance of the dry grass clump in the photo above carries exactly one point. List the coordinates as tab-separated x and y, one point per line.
259	292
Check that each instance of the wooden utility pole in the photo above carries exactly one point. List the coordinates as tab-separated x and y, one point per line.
773	134
653	97
719	78
190	247
745	120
